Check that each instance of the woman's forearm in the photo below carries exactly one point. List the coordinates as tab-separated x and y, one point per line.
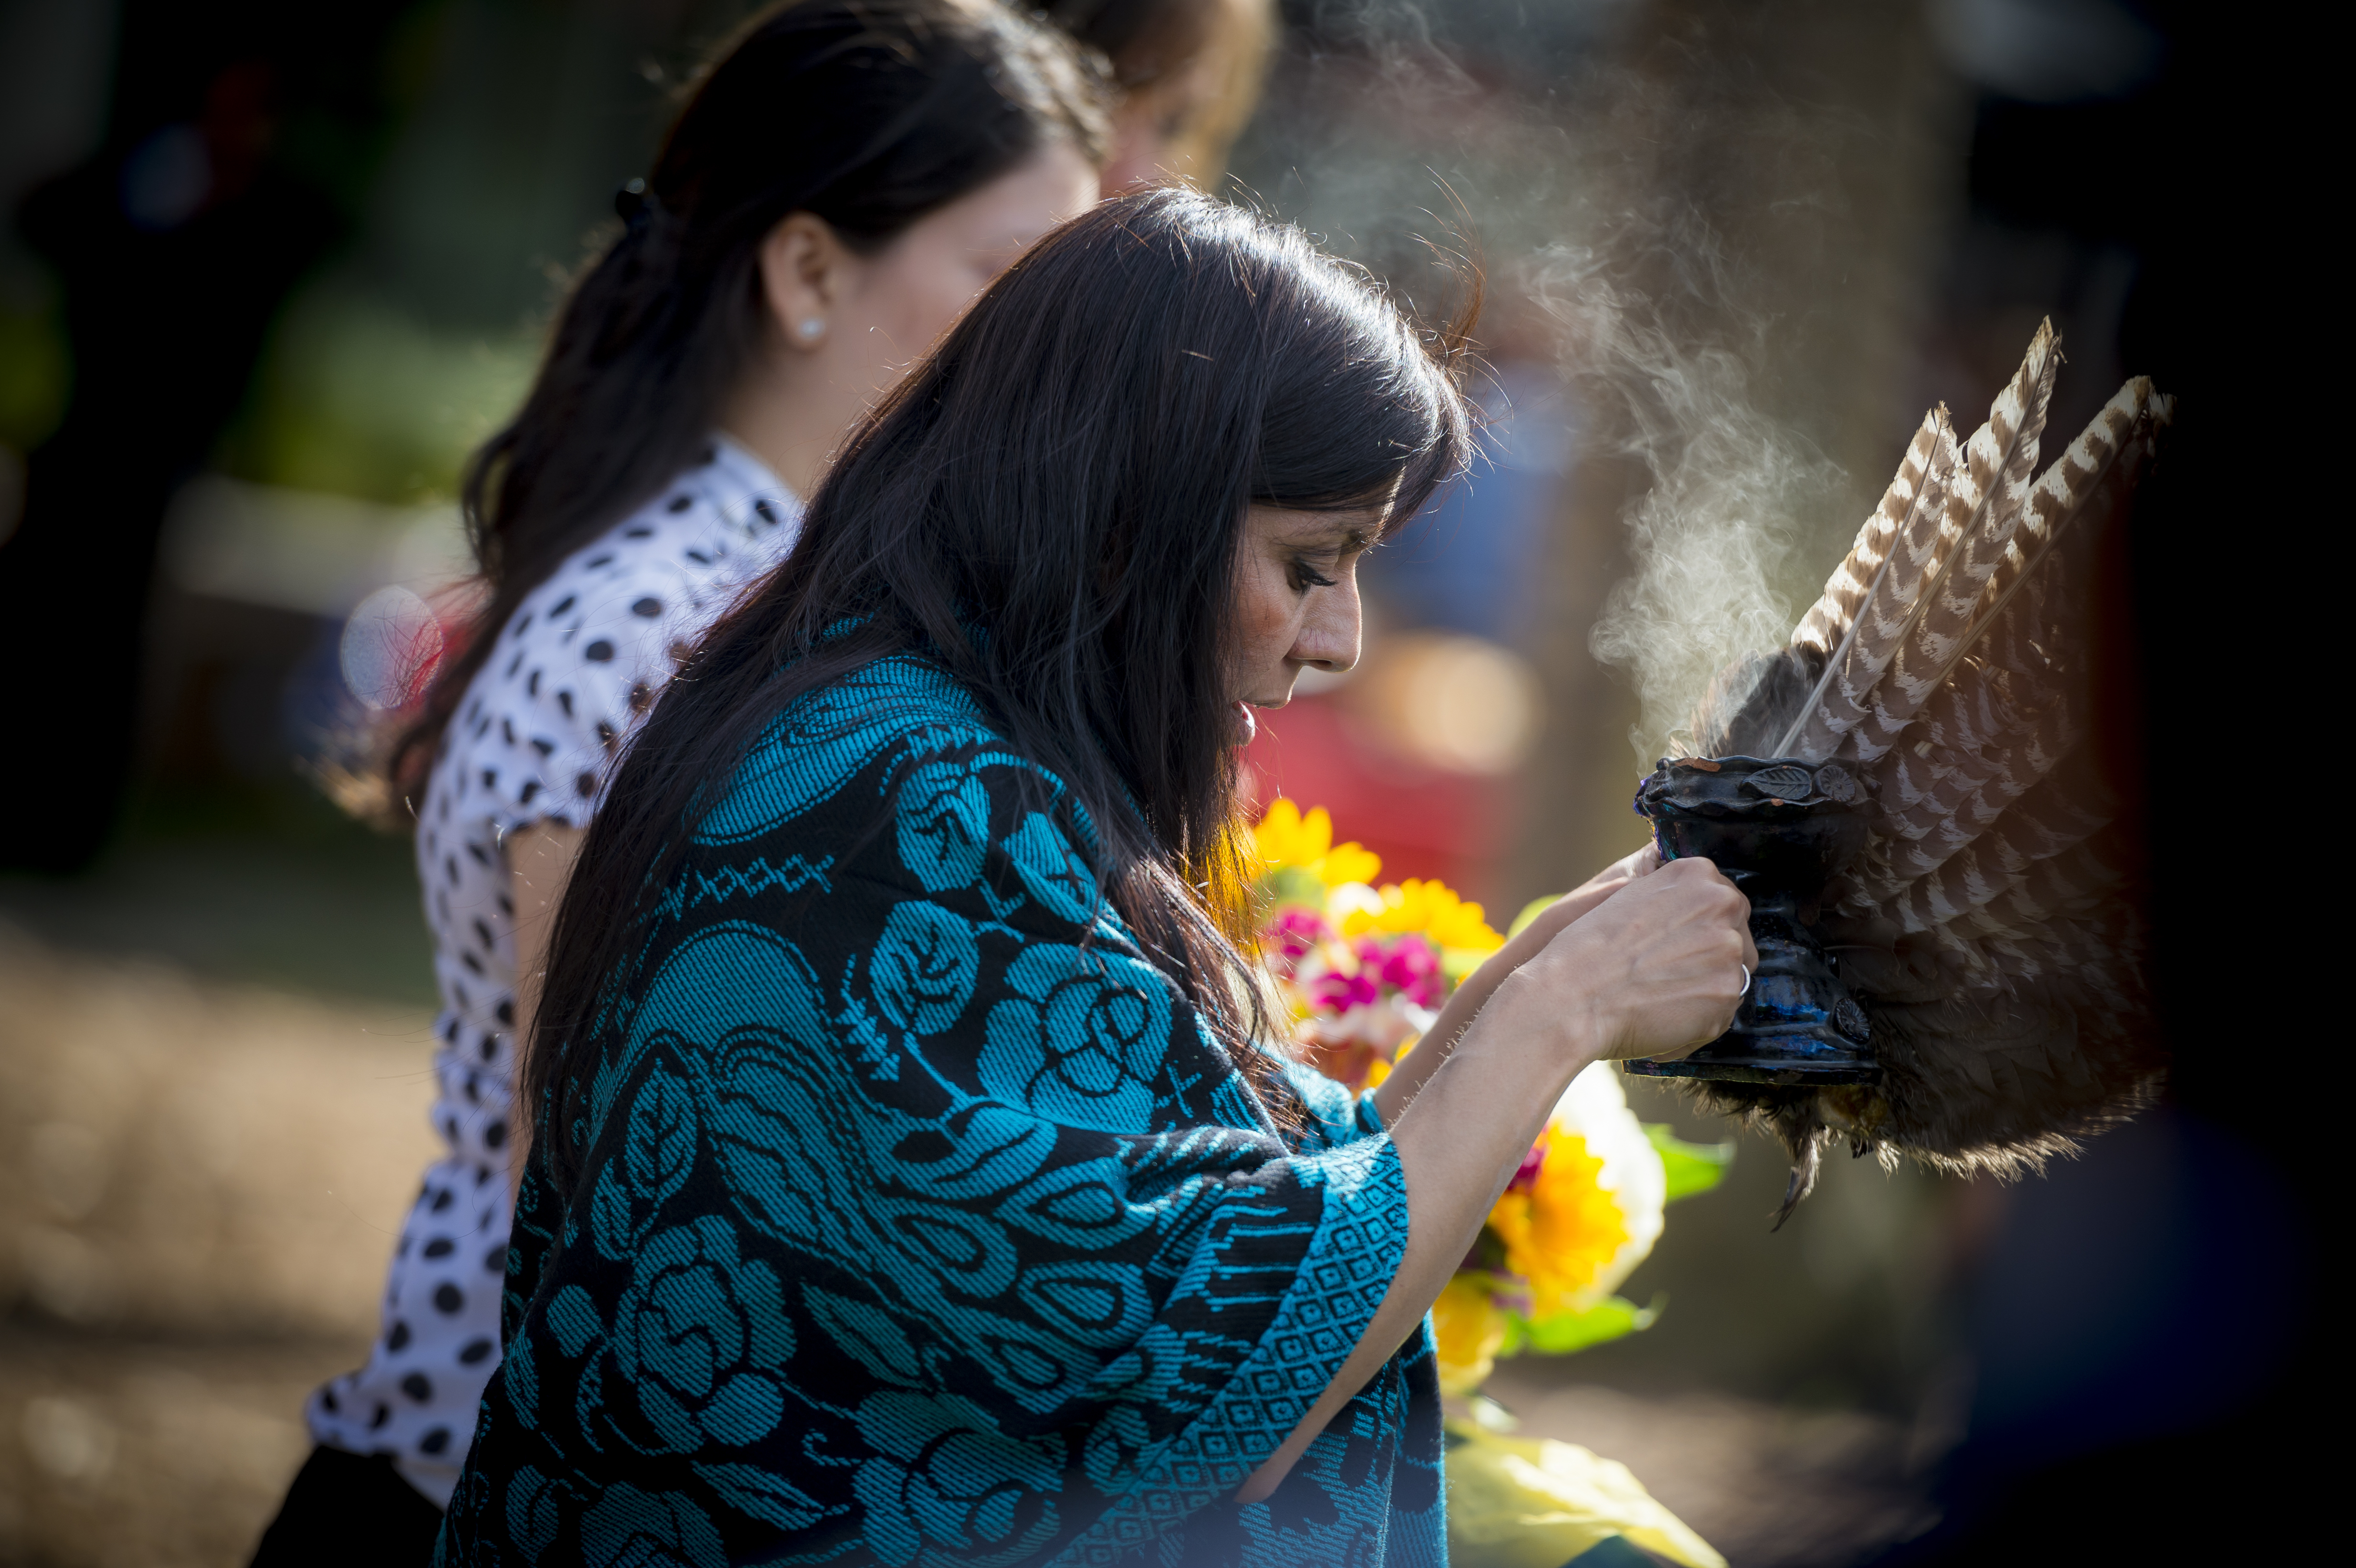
1395	1092
1460	1140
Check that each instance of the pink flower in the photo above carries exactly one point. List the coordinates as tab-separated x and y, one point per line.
1335	992
1289	938
1408	967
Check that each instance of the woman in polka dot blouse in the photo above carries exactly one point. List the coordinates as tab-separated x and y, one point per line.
842	183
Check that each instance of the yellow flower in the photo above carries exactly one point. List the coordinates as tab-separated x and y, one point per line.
1564	1230
1284	838
1593	1211
1432	908
1469	1329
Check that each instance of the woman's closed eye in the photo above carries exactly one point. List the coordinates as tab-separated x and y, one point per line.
1306	575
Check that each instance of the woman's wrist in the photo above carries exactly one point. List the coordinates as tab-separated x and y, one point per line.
1535	1032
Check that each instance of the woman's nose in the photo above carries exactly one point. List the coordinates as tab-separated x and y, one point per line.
1330	631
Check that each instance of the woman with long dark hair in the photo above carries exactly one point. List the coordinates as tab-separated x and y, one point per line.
840	184
911	1181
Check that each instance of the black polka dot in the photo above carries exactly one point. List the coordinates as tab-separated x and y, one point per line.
698	557
564	701
768	513
475	1351
530	788
434	1441
680	503
473	964
496	1260
495	1134
598	652
708	457
449	1298
514	664
506	729
640	532
328	1398
442	1199
450	866
450	1033
483	935
598	562
649	607
545	747
490	1046
399	1339
606	736
586	785
383	1415
440	1247
418	1386
504	1012
523	624
532	686
490	778
562	605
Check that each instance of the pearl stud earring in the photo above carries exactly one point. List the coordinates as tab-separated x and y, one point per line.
812	327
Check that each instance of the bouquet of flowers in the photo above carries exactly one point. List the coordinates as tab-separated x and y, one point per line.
1361	970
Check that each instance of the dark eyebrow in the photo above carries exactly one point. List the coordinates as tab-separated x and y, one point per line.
1350	538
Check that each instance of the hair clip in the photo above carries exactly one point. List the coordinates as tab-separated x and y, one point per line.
634	205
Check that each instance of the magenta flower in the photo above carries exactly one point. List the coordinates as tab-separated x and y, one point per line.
1290	936
1408	967
1335	992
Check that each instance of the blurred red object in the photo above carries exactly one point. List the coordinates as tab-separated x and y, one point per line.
1423	821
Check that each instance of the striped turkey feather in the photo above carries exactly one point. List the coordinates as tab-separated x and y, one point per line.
1989	927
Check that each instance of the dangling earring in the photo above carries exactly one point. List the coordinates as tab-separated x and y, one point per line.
811	327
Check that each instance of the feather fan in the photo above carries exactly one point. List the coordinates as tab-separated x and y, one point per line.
1986	927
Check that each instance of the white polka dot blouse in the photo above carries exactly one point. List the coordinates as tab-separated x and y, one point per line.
534	740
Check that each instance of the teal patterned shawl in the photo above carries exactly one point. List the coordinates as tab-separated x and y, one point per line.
919	1221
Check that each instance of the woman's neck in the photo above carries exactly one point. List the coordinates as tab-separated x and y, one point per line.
791	409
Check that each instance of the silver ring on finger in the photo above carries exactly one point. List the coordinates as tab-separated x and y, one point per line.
1746	982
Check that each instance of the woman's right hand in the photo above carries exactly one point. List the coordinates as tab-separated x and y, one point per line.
1655	970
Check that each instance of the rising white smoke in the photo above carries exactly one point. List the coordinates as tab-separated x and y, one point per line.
1708	366
1672	385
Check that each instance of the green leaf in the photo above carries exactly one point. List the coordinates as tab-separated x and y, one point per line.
1456	963
1567	1331
1691	1168
1292	885
1530	912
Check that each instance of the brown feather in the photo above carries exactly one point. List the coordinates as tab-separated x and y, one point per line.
1984	508
1988	925
1900	543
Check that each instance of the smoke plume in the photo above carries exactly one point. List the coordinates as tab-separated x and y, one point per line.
1731	491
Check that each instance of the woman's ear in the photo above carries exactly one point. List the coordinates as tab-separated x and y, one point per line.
805	277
